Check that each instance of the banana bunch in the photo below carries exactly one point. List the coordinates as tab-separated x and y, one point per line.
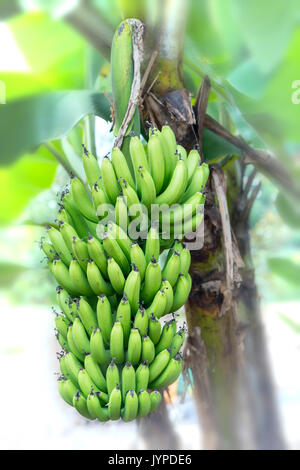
112	291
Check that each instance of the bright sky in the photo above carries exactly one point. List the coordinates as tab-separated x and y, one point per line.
11	57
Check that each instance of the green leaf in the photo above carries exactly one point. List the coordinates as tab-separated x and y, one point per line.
28	122
286	269
22	181
288	210
215	148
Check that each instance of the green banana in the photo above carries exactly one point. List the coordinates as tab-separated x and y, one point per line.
181	291
147	188
114	251
172	269
115	275
109	179
65	389
121	213
152	248
82	200
195	185
80	403
117	343
72	345
86	384
96	281
142	377
153	277
121	167
176	187
98	351
156	161
137	258
122	238
87	315
79	279
97	254
181	152
100	200
49	250
159	364
128	379
91	167
170	373
59	245
112	377
95	409
79	248
141	321
80	337
124	317
131	405
95	373
62	323
158	305
78	220
132	289
167	288
62	276
73	366
185	261
144	404
177	342
192	163
68	233
155	399
114	404
104	316
166	336
148	350
138	158
134	347
154	329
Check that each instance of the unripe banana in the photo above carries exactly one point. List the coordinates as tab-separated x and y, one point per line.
95	409
96	281
181	291
170	374
147	191
121	213
148	350
168	151
72	345
137	258
62	323
63	390
138	158
68	233
130	410
153	277
159	364
167	288
152	248
59	245
80	337
100	199
181	152
158	306
195	185
185	261
176	187
134	347
177	342
114	251
91	167
172	269
109	179
132	289
80	403
115	276
95	373
141	321
97	254
73	366
63	367
129	194
155	398
63	216
82	200
128	379
104	316
124	317
121	167
78	219
142	377
49	250
112	377
117	343
79	248
122	238
79	278
114	404
192	163
167	334
62	276
98	351
154	329
144	404
87	315
156	161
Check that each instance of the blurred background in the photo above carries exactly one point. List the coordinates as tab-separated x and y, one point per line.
251	51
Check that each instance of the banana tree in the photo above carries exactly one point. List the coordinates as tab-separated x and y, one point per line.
180	79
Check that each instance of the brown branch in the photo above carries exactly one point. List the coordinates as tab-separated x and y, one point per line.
262	160
201	105
251	201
